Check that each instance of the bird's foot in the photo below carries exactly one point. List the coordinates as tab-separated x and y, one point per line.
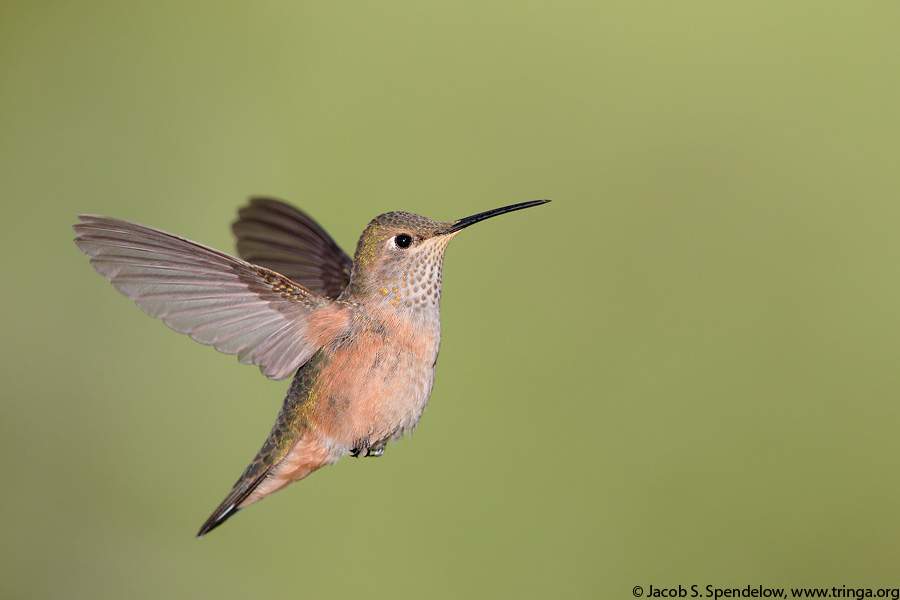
376	450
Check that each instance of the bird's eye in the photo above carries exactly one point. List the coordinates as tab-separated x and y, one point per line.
403	240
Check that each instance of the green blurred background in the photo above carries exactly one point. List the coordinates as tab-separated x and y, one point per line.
682	371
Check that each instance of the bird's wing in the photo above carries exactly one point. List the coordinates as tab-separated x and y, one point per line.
282	238
239	308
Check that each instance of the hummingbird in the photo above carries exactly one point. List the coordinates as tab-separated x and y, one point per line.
360	336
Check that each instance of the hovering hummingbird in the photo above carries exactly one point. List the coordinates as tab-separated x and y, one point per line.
360	336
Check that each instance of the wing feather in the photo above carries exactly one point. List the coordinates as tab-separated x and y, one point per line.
235	306
280	237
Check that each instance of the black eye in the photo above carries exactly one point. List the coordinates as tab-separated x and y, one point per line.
403	241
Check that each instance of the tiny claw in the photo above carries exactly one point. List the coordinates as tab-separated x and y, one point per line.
375	452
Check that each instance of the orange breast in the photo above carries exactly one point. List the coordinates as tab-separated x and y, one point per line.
376	385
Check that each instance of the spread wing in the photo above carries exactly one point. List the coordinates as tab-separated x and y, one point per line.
239	308
280	237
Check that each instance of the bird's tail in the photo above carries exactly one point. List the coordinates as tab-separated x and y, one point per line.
270	472
233	501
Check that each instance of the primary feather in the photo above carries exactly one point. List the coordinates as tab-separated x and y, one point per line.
239	308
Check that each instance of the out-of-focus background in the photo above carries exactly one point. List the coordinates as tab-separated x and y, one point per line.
683	371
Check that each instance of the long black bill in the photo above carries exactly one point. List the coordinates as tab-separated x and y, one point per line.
466	221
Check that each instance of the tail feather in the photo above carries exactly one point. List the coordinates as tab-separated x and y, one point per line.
287	456
232	502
